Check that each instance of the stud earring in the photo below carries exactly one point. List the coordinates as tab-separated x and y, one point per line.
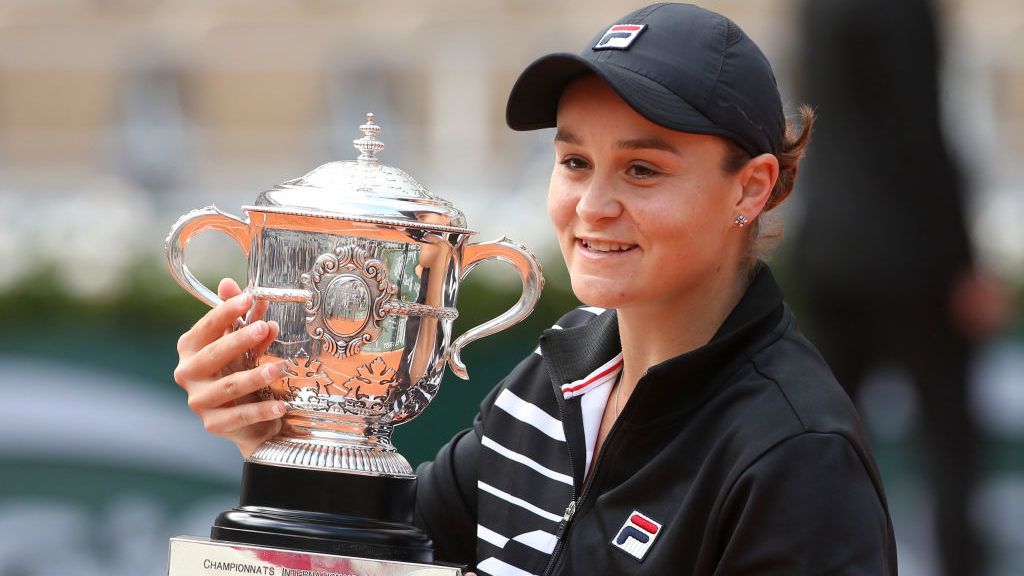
740	221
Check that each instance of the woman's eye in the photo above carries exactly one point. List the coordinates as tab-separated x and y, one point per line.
575	163
641	171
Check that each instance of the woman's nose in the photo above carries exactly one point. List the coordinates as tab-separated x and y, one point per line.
598	201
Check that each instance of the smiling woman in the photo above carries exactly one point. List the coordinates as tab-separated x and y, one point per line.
696	419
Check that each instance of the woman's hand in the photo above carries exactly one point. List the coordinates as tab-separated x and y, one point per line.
210	368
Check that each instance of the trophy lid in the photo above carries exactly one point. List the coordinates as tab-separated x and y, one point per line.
363	189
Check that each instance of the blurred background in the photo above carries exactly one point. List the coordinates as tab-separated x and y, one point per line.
118	116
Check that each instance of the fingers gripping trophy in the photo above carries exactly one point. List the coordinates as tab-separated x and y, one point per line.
359	266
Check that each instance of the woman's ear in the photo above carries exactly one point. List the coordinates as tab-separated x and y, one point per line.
757	179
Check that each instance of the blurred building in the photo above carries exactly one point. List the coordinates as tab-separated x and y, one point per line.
150	108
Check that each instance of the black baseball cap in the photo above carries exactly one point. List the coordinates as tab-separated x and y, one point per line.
680	66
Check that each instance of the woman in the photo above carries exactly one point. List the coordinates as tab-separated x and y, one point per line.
680	423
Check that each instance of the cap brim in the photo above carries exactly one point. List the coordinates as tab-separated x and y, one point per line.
533	102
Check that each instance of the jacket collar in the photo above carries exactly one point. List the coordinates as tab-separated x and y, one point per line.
681	383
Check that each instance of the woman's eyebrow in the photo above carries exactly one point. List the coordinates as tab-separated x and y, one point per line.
648	142
563	135
652	142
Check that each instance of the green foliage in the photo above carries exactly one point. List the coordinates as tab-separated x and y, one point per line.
146	298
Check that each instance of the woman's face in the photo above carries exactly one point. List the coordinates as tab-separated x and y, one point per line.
644	214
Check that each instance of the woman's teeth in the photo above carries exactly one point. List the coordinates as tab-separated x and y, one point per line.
598	246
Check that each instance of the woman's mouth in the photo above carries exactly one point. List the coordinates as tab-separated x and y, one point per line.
603	247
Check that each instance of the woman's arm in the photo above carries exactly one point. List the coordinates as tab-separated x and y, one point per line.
446	493
806	507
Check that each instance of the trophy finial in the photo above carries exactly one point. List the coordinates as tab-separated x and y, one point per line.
368	145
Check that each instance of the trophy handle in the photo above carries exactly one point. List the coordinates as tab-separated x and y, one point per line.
196	221
526	264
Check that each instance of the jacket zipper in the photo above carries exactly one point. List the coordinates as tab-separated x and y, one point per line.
570	510
575	503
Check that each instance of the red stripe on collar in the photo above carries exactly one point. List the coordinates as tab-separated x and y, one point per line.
602	374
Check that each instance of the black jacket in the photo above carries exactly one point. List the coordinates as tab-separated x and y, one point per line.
741	457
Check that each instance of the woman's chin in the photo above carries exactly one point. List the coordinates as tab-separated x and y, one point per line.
599	294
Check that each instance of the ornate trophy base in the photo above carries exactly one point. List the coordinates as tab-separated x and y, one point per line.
331	456
299	521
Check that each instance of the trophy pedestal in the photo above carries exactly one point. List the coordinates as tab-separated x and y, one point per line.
326	512
299	522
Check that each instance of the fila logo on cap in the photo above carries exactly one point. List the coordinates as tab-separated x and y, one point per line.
637	535
620	36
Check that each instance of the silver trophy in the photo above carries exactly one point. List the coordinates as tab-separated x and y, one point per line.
360	266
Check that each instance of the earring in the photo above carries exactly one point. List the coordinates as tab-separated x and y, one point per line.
740	221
